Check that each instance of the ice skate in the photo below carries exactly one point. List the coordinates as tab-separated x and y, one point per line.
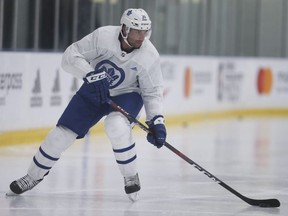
21	185
132	187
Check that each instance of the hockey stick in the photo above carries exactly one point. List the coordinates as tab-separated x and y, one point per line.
253	202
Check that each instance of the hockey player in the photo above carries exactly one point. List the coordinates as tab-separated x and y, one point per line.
117	62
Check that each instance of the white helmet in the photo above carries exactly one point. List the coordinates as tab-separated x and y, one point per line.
136	19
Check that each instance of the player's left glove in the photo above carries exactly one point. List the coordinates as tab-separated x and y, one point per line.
158	133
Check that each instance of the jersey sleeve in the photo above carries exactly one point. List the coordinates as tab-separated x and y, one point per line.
151	85
76	58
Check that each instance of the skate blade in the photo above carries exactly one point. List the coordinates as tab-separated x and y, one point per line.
133	196
11	193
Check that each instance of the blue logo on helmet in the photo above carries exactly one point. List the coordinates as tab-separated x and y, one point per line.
129	12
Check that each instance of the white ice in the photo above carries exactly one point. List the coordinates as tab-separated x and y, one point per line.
249	154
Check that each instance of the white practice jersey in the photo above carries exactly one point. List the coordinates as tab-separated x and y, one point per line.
138	71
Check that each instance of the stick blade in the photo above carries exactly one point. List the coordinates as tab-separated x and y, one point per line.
272	203
268	203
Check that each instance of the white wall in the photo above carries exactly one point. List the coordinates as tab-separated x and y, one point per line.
34	90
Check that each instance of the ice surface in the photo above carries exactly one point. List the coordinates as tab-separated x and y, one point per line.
250	155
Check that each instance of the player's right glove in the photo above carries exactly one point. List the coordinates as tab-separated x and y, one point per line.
158	133
95	87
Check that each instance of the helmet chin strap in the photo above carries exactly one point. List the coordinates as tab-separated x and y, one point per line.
125	37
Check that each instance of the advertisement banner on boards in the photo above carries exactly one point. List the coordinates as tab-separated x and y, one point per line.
34	89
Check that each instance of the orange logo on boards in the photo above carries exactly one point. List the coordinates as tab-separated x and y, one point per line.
264	80
187	82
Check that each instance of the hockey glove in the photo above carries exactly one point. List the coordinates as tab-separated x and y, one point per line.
95	87
157	136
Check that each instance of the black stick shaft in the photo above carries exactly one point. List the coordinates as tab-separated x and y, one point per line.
254	202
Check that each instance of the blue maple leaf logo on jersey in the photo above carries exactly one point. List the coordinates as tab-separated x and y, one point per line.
112	76
115	74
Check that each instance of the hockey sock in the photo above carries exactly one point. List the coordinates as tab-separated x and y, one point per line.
57	141
118	130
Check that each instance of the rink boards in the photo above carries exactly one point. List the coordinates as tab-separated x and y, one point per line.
34	90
